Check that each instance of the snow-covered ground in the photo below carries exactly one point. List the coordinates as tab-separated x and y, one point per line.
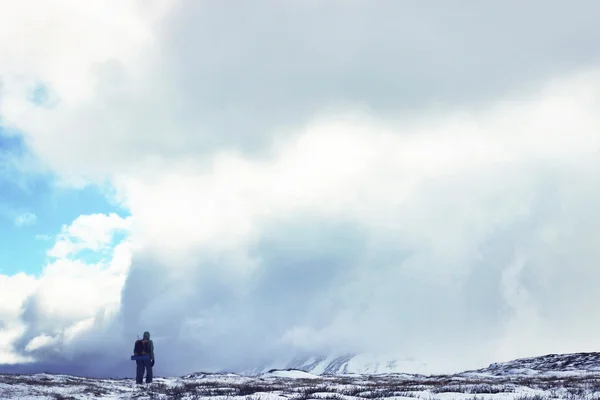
571	376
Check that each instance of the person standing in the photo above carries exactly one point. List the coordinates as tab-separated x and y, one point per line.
146	364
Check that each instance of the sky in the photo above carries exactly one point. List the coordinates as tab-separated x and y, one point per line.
33	210
251	183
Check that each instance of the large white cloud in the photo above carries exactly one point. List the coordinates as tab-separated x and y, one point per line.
47	314
15	290
358	236
94	232
355	177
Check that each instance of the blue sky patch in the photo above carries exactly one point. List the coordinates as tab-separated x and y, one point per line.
42	96
32	215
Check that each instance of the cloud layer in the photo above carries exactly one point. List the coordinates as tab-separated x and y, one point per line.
25	219
313	179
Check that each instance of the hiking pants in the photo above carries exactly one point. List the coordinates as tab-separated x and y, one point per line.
141	365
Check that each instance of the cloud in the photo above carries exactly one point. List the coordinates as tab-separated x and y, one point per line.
18	217
43	237
416	181
415	239
25	219
49	314
219	92
15	290
94	232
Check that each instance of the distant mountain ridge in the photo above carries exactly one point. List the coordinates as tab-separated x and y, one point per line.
570	362
370	365
351	363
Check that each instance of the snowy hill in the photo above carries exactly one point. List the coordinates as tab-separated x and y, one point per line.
568	376
371	365
549	364
347	364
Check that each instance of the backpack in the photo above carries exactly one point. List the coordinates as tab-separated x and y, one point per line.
141	347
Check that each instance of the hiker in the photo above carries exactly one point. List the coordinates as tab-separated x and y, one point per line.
148	362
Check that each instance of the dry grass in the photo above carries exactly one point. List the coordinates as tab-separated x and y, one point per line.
326	388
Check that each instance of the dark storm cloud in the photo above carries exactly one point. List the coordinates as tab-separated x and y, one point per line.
247	69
